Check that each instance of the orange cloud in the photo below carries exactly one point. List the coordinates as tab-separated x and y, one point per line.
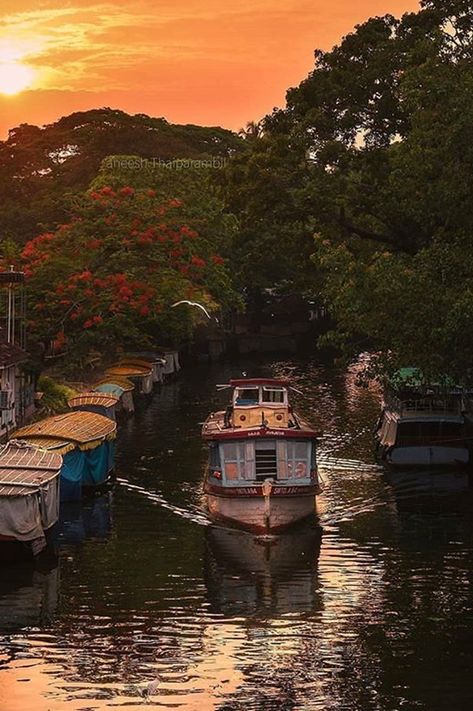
184	59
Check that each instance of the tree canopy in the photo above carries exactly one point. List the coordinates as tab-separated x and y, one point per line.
373	155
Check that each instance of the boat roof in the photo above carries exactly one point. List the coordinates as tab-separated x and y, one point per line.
142	362
214	429
122	382
254	382
24	468
148	356
93	398
130	370
425	417
78	426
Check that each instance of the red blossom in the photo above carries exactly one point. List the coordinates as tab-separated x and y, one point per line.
127	191
197	261
216	259
94	244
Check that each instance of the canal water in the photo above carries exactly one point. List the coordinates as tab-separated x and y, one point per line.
149	604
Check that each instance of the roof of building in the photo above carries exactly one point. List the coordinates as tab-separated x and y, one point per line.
10	354
25	468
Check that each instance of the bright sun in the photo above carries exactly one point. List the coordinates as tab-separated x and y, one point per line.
14	77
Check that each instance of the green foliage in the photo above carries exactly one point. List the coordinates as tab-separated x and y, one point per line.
107	279
41	168
55	395
374	154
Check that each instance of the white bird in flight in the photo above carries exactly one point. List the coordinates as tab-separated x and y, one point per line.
195	303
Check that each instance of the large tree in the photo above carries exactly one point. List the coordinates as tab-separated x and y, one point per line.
373	153
41	166
107	279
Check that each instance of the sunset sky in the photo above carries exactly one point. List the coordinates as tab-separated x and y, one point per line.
192	61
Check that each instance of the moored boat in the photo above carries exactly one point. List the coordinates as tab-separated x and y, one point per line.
101	403
262	472
119	387
141	375
155	360
86	442
29	498
423	425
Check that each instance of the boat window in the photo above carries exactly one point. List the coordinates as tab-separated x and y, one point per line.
275	395
294	459
214	456
247	396
421	433
238	460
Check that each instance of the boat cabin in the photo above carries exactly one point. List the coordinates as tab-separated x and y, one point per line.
257	402
423	424
240	462
259	436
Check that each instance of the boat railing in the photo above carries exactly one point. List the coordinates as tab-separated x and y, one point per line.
427	405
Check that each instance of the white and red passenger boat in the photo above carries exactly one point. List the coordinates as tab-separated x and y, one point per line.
262	472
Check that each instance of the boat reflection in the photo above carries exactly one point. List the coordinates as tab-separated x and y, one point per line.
29	593
431	491
250	575
79	521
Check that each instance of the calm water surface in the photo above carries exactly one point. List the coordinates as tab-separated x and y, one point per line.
150	604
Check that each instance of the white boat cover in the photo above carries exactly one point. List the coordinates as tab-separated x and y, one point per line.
29	492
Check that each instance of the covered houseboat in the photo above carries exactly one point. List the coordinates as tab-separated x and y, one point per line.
29	498
86	442
120	387
101	403
262	470
140	374
423	425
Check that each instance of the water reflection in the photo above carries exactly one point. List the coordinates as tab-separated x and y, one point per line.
247	575
28	594
440	491
161	608
81	520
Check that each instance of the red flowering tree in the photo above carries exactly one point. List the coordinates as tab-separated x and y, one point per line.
108	277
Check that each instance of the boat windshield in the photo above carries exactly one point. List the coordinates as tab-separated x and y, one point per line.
273	395
247	396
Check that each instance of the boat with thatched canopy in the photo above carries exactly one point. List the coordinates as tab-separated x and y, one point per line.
262	467
141	375
156	360
29	497
86	442
119	387
101	403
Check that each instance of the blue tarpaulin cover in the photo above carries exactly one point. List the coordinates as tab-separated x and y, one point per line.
89	468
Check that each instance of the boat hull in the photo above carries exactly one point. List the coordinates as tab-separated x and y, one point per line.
262	514
427	456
